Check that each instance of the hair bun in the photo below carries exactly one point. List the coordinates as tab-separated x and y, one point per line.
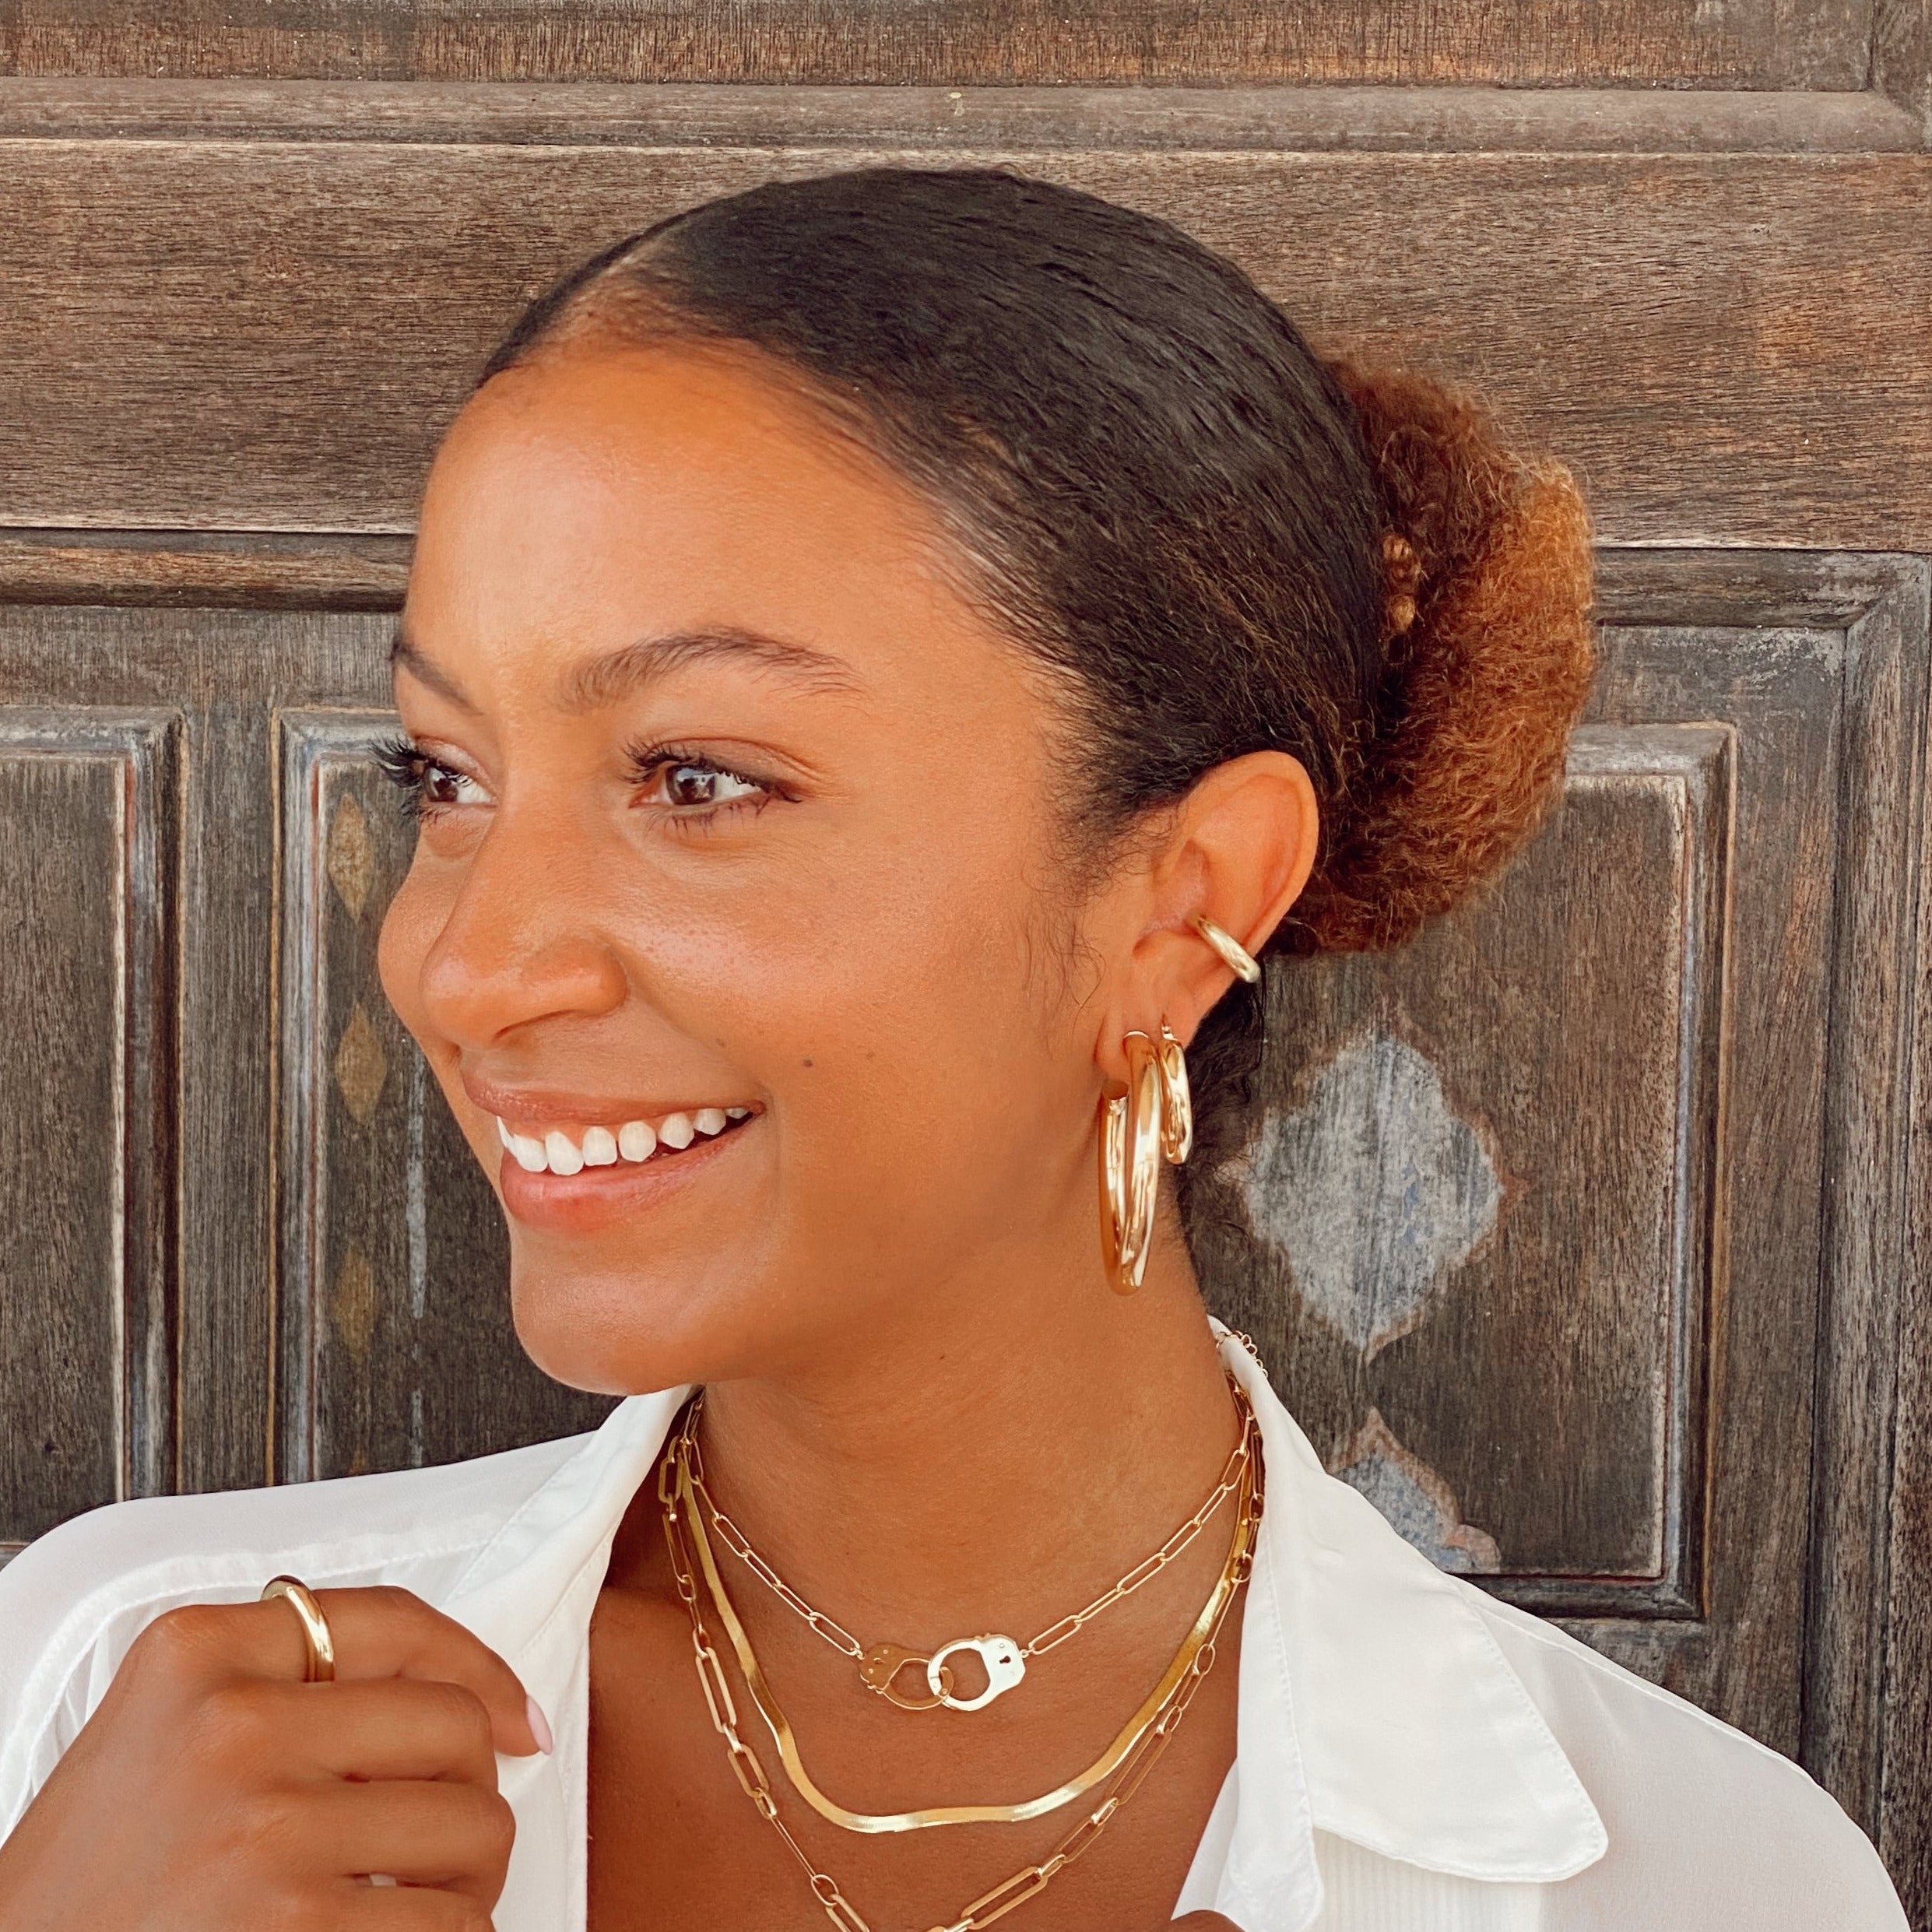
1487	639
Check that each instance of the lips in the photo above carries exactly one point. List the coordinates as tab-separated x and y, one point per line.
580	1178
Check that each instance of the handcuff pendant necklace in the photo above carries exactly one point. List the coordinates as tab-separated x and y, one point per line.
1004	1661
683	1523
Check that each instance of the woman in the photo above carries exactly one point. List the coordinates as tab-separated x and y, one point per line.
883	655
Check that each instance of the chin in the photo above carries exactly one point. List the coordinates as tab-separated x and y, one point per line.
643	1326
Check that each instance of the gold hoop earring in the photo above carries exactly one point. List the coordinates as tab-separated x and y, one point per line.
1177	1103
1235	956
1130	1149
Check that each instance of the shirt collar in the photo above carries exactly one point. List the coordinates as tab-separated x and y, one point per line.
1374	1703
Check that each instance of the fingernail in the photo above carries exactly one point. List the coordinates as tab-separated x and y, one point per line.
539	1725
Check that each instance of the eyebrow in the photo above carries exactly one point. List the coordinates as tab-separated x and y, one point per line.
606	680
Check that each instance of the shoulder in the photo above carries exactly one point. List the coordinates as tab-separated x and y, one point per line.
1706	1825
72	1602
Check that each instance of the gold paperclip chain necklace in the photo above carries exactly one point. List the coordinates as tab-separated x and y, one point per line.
881	1665
1031	1880
783	1736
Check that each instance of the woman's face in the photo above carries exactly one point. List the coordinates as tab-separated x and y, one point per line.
740	828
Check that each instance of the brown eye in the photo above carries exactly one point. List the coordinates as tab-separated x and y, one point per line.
691	784
702	785
440	786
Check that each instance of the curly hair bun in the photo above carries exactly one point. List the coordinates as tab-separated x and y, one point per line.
1488	640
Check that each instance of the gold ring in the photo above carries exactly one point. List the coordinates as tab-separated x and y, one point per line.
321	1666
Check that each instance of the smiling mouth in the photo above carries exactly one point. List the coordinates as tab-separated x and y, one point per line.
631	1144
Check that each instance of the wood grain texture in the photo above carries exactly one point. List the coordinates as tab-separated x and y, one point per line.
396	1344
1534	1387
1749	43
1905	1704
257	1233
1867	1160
87	805
1655	1392
242	334
1389	118
1544	1355
1902	55
199	570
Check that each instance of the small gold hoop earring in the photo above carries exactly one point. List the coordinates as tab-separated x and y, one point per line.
1177	1103
1130	1149
1235	956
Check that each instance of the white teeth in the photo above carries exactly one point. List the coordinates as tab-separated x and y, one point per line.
634	1141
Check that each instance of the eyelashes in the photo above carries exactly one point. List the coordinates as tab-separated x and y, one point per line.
696	790
409	767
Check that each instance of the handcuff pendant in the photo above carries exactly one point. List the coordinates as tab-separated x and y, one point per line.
1004	1662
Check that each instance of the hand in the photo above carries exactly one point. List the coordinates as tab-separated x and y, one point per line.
214	1791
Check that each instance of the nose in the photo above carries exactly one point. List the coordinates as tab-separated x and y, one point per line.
520	942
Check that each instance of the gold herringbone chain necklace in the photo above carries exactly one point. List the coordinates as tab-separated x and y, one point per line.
1033	1879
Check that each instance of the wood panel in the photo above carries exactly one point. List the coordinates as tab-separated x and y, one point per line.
287	358
230	674
1493	1277
1656	1395
1901	55
1631	1134
1387	118
396	1345
1747	43
87	802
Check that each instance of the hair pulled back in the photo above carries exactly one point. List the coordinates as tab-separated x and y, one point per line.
1220	543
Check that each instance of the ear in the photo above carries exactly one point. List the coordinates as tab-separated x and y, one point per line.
1239	849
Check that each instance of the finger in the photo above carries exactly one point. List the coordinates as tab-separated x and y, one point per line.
385	1632
376	1727
457	1836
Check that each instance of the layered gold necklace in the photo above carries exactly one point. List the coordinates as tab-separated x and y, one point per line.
1122	1767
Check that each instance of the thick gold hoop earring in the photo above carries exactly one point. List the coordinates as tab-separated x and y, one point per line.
1235	956
1130	1165
1177	1103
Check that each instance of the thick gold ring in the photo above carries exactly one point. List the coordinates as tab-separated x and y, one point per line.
321	1667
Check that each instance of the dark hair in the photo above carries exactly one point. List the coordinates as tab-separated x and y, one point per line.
1223	543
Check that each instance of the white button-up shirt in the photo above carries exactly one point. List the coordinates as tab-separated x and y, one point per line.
1412	1756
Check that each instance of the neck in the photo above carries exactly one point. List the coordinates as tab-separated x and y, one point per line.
989	1467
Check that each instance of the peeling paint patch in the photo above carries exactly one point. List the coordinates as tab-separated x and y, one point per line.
1417	1502
1374	1189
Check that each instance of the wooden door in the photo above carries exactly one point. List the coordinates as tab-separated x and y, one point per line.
1586	1236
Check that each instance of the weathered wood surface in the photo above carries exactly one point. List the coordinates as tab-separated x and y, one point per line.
1731	348
1651	1092
1747	43
1630	1153
396	1344
1901	55
88	803
260	1372
1438	120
